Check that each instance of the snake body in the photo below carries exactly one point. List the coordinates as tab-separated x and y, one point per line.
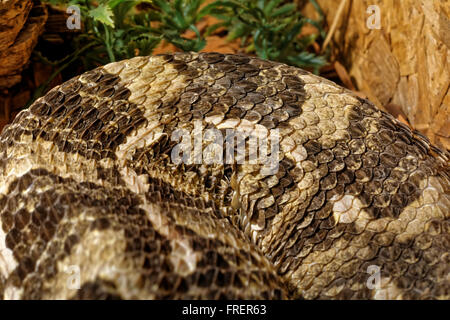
358	207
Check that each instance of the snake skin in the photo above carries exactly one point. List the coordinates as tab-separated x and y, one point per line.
86	180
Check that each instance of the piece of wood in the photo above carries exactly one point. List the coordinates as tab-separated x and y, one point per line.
13	15
406	62
14	58
343	75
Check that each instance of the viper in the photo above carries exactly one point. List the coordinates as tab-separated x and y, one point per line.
93	205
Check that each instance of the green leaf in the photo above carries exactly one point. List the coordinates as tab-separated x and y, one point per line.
270	6
238	32
307	59
103	14
163	5
318	9
114	3
287	8
292	33
191	9
214	27
215	8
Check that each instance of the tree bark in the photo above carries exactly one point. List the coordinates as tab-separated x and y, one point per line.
21	23
405	63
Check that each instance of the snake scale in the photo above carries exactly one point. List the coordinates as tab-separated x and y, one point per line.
87	180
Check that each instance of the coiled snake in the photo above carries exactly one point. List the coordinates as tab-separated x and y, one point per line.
358	207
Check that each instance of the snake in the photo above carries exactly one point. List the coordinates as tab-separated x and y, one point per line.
94	204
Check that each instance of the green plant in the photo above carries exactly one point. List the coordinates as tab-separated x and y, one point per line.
175	17
109	31
108	35
117	29
272	30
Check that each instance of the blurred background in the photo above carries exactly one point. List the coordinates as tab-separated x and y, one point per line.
396	53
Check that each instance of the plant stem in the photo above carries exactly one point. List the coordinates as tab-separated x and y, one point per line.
111	56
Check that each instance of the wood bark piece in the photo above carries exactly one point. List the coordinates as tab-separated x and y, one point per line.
406	62
14	58
13	14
